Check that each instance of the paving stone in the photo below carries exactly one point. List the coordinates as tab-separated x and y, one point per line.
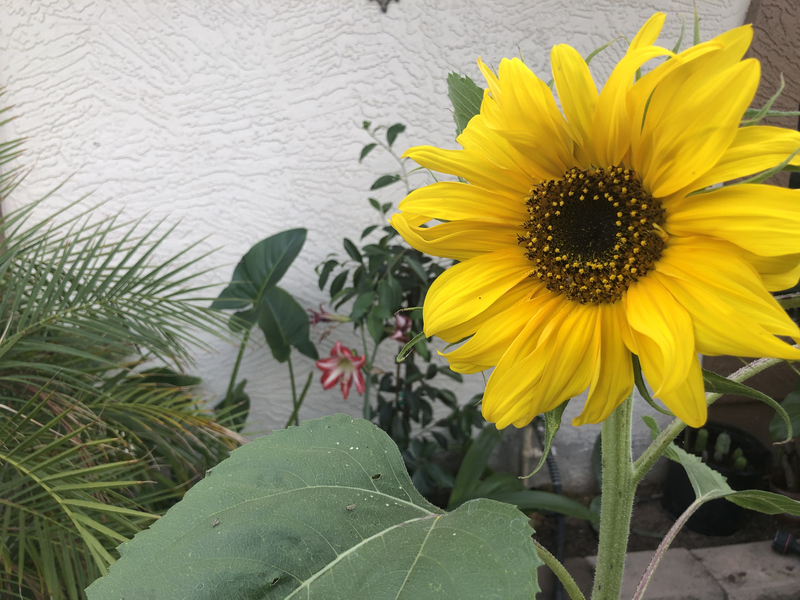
679	576
752	571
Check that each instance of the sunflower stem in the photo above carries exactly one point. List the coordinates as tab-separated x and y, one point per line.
617	503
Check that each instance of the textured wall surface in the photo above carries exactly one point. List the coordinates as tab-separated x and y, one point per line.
238	119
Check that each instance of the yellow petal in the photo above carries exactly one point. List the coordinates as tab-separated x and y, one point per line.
529	287
613	376
657	320
754	149
471	166
576	91
460	240
648	33
550	361
487	346
688	400
777	272
686	148
763	219
611	125
717	267
469	288
719	328
454	201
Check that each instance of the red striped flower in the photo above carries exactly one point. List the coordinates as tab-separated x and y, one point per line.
342	365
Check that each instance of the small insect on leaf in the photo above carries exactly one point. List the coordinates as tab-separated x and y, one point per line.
208	472
215	522
376	476
351	507
277	579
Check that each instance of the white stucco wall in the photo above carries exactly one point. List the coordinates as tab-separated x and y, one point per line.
237	120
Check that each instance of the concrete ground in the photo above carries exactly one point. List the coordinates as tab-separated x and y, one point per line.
738	572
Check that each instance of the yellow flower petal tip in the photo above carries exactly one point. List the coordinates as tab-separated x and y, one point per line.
586	232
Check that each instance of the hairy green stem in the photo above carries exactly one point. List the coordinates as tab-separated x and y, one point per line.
558	569
654	451
235	373
617	503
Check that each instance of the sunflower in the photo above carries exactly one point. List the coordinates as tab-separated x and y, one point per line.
592	232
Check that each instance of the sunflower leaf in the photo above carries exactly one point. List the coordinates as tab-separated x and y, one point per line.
410	346
718	384
466	97
361	522
642	387
753	116
552	423
789	300
761	177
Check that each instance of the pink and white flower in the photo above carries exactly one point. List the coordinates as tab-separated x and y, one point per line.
342	365
402	325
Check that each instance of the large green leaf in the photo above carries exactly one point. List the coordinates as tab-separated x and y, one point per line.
474	464
261	269
466	97
285	324
325	510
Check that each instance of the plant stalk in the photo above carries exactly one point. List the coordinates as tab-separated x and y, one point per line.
573	591
235	373
617	502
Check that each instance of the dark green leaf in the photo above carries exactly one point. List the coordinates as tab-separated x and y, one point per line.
384	180
366	150
285	324
243	320
362	524
390	294
326	272
375	204
375	323
361	305
368	230
419	271
261	268
393	132
466	98
552	423
528	500
497	483
338	283
386	206
451	374
366	124
352	250
474	463
721	385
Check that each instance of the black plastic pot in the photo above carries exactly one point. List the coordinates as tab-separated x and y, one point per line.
717	517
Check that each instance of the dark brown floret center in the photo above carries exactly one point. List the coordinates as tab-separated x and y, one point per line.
593	233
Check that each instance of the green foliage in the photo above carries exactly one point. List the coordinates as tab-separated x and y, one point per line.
552	423
340	486
386	280
95	441
466	97
93	445
505	487
709	484
254	292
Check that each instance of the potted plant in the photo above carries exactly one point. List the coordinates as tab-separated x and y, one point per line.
734	453
785	479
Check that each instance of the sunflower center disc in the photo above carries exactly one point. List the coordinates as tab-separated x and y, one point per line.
592	233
